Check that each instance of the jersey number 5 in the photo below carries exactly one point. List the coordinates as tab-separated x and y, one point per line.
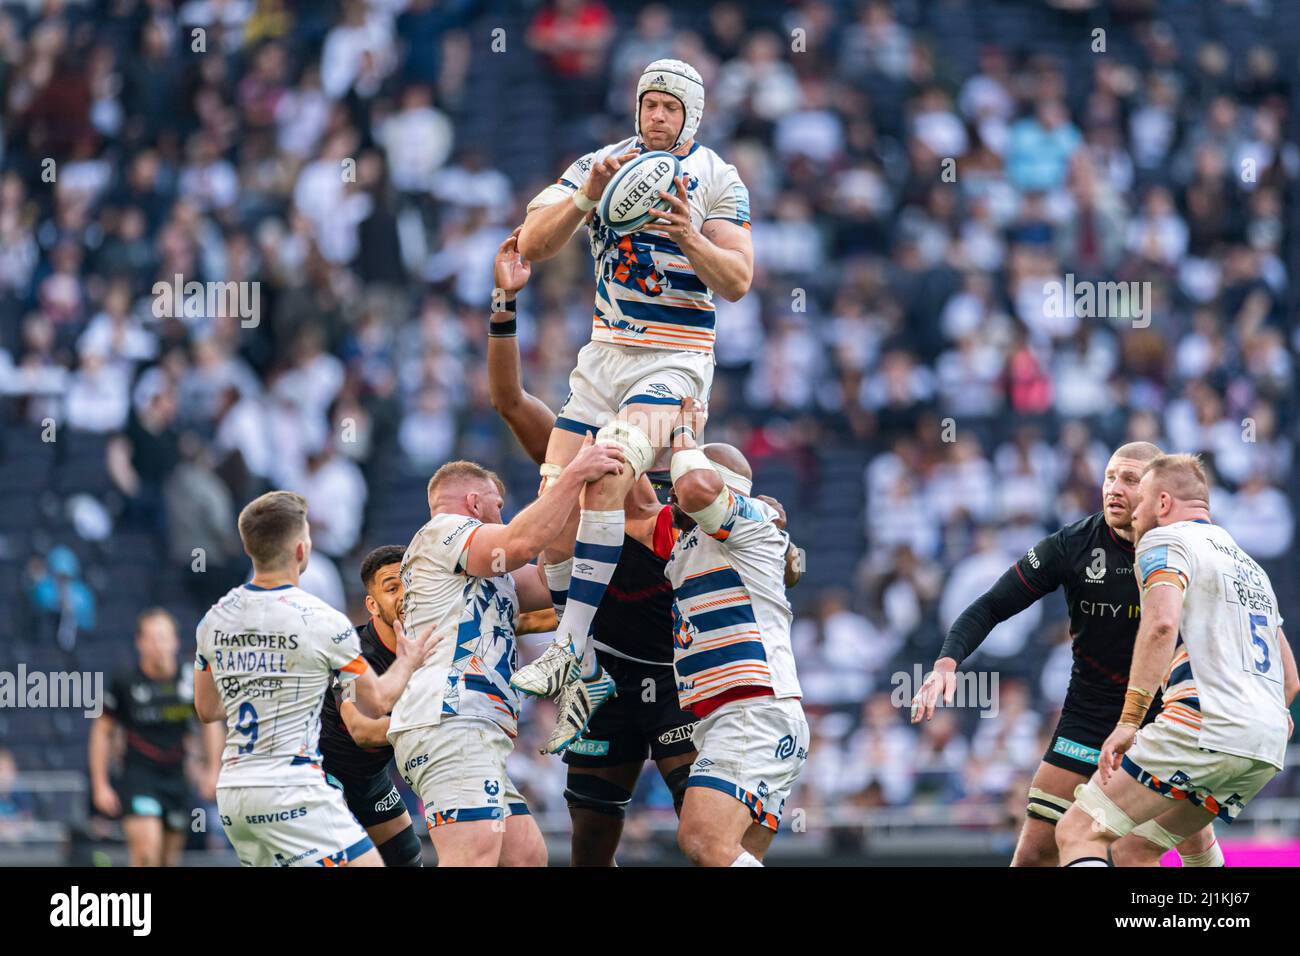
1263	663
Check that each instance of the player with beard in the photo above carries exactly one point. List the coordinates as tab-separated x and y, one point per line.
632	633
651	346
1093	560
355	747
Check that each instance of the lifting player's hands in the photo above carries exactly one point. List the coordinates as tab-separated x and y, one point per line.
595	461
775	506
675	221
943	679
415	650
510	270
1113	750
602	172
694	414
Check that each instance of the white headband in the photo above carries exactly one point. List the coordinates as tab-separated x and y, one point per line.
732	480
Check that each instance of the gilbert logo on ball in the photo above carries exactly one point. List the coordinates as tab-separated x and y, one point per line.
634	191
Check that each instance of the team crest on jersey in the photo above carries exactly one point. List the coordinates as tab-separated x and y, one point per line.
491	787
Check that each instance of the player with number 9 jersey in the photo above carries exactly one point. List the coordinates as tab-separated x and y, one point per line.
267	653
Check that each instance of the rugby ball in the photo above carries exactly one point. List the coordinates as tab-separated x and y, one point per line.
634	191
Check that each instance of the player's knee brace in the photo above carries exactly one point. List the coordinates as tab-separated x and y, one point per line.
676	781
403	849
631	441
586	791
1157	835
1106	814
1211	857
1047	807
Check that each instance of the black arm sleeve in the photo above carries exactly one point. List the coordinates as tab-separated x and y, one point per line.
1033	576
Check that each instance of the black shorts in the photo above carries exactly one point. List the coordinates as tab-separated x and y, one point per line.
1082	729
644	720
373	800
150	792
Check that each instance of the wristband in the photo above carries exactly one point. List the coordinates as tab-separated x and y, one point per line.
508	305
1136	704
679	430
499	330
583	201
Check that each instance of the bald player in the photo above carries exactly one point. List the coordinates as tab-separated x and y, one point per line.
1092	560
1211	641
731	653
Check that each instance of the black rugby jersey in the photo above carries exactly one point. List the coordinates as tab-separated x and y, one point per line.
156	715
1095	566
343	757
635	618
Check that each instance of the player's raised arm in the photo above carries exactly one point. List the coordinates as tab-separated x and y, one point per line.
499	548
557	211
527	415
721	251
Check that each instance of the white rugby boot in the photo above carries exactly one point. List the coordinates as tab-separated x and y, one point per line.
578	702
548	675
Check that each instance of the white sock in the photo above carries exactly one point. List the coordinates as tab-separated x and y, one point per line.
557	580
595	553
746	859
1211	857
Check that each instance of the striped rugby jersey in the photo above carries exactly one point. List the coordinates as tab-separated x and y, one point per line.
647	293
1225	679
273	653
469	674
731	619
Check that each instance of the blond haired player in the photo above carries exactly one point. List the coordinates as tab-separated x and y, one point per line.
267	652
466	575
1211	640
651	346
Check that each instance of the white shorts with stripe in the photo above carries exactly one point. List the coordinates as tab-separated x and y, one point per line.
296	825
1166	757
458	769
752	749
607	377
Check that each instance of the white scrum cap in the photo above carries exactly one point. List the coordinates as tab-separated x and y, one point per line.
678	79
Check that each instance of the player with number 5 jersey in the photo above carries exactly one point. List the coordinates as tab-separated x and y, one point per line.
267	653
1211	641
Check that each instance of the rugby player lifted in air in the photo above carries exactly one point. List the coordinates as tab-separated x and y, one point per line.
1211	640
266	654
651	346
1093	560
632	633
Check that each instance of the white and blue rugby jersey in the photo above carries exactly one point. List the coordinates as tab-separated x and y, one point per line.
469	674
272	653
1225	679
731	619
647	292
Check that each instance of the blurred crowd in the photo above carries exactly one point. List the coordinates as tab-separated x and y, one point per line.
920	174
